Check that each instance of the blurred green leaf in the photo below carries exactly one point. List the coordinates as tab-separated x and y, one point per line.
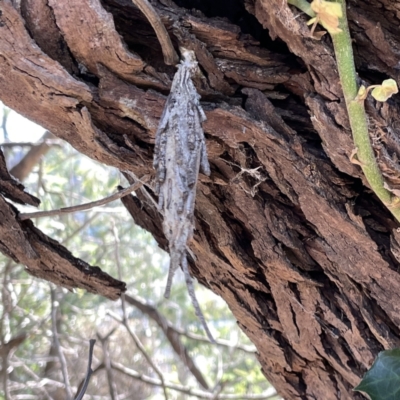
382	381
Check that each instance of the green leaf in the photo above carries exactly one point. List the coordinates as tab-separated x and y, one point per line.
384	91
382	381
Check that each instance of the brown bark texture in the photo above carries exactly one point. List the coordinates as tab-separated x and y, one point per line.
287	230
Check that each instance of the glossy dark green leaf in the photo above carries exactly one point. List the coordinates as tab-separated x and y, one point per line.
382	381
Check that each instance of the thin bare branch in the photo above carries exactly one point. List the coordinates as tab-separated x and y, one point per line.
89	371
269	395
107	363
219	342
6	348
79	229
172	336
6	300
86	206
7	395
170	56
49	142
37	379
141	348
57	344
217	391
125	322
169	329
33	385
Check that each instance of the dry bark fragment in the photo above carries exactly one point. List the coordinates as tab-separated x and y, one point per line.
91	37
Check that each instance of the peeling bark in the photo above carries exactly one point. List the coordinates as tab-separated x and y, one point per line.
287	231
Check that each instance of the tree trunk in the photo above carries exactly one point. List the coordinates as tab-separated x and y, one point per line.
287	231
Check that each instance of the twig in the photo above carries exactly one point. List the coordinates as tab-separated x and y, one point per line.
32	385
189	391
79	229
37	379
140	347
10	346
5	299
219	374
219	342
124	320
57	345
217	391
5	361
170	56
89	371
172	335
93	372
86	206
107	364
49	142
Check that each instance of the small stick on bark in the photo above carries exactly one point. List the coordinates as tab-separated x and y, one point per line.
170	56
86	206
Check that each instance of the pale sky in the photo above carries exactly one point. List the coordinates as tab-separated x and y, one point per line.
19	128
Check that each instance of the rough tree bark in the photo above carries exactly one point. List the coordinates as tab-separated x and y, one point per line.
287	231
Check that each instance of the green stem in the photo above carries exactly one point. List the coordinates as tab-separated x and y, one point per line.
355	108
357	115
303	5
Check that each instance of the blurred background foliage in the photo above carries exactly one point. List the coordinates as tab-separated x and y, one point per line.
33	313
